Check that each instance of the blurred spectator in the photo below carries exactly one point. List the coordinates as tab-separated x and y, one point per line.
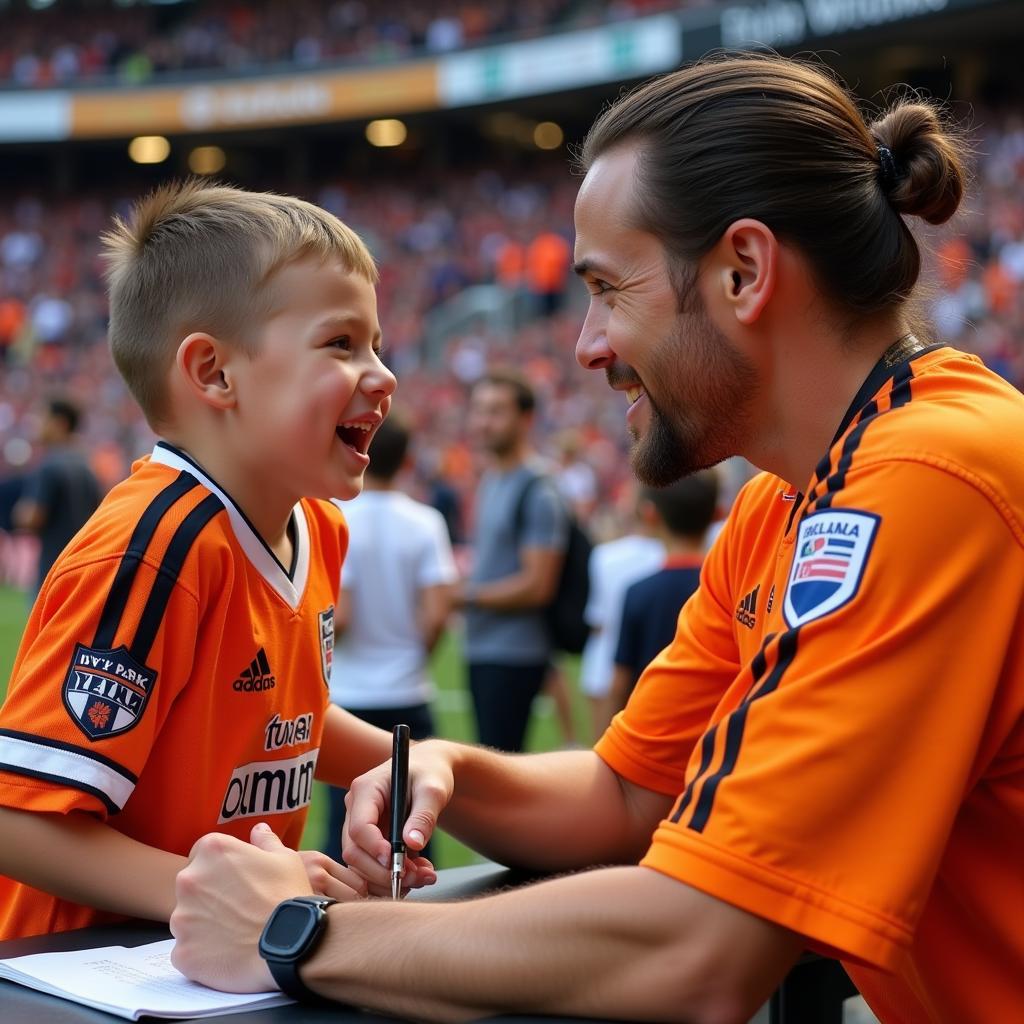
681	515
518	547
62	492
614	566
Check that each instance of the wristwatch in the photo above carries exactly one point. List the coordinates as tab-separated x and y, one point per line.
290	935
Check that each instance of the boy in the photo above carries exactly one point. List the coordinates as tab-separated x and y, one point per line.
679	515
393	606
172	679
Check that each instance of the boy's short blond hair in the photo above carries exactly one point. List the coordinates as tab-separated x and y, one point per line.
194	256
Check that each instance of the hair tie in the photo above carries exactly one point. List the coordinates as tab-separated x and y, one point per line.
888	174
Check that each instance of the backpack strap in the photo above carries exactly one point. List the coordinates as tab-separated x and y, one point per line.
520	512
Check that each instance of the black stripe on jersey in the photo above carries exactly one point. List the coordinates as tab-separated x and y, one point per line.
167	575
757	669
837	480
736	724
117	599
45	741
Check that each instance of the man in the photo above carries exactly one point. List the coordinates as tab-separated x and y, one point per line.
394	603
679	516
519	544
63	491
845	775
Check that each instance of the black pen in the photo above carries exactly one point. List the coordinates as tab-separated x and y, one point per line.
399	804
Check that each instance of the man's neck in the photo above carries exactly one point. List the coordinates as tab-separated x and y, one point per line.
807	392
510	460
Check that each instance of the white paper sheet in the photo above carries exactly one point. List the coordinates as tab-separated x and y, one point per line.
129	981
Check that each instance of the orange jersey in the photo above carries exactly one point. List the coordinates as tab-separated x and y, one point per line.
842	708
172	679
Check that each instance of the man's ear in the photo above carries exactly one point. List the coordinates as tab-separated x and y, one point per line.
202	361
746	262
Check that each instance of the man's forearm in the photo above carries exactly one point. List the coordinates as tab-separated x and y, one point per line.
78	858
615	943
536	810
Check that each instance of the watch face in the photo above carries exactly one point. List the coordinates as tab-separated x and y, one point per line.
289	929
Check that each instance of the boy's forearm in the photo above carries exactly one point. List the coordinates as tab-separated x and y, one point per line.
78	858
349	747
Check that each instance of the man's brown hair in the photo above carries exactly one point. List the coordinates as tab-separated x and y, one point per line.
194	256
781	141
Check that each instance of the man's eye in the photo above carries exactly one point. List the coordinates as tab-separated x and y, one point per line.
600	287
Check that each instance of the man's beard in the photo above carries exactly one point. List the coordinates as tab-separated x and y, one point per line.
700	415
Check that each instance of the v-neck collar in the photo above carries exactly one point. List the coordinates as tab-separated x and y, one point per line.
290	586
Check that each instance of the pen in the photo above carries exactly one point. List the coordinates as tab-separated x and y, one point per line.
399	804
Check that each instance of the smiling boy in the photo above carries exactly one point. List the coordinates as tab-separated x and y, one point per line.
172	679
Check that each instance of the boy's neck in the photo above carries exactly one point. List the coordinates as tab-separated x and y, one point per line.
676	546
375	483
269	517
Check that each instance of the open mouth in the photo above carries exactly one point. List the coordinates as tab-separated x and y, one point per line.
633	394
356	435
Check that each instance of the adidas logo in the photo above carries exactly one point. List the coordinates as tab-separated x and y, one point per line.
747	610
257	676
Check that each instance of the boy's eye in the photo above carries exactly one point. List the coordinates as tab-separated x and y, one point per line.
343	342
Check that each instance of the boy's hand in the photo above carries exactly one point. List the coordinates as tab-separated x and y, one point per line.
364	845
329	878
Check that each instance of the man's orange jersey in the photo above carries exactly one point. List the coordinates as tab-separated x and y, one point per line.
842	708
172	679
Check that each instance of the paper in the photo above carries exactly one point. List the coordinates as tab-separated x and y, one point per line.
130	981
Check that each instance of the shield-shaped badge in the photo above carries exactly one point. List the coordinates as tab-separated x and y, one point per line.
832	549
106	692
327	642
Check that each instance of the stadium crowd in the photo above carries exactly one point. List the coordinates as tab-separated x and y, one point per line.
72	44
459	229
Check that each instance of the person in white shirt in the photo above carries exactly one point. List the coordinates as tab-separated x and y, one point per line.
394	602
614	566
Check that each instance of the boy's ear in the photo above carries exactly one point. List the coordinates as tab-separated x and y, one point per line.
202	361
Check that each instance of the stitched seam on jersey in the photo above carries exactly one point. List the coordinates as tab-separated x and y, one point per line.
144	531
70	748
622	751
43	777
758	666
761	869
1002	508
171	565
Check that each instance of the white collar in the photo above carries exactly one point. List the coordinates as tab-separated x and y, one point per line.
264	561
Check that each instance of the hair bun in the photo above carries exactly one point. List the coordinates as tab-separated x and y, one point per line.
931	171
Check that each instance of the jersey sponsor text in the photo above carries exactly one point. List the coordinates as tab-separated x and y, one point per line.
288	732
269	787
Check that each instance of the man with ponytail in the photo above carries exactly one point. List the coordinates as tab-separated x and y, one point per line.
830	754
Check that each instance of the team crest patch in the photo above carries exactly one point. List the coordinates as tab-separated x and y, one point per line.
832	549
106	692
327	642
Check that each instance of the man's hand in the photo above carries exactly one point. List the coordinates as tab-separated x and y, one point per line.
365	846
224	896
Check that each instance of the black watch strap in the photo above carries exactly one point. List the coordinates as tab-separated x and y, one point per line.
285	970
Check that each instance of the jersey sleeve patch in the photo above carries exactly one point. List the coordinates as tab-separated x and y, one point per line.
106	691
831	553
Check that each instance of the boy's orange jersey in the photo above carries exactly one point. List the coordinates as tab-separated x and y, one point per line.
842	709
172	679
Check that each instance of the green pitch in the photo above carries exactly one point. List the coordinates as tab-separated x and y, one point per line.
452	713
